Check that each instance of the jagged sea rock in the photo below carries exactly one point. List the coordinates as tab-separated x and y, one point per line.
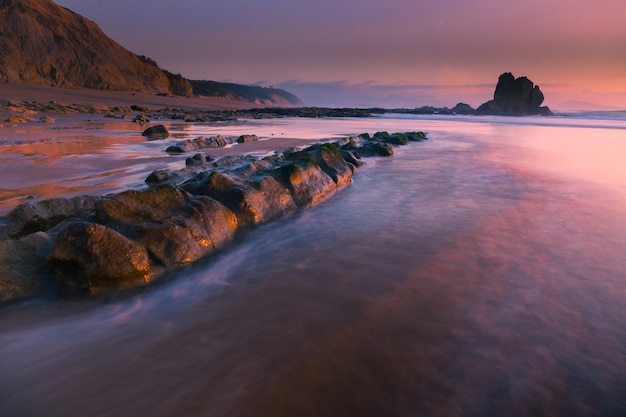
333	164
515	97
90	258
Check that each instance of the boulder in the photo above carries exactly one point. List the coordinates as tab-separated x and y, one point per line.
307	183
156	132
376	148
333	164
174	226
41	216
23	267
160	176
515	97
201	142
90	258
197	160
254	201
247	138
141	119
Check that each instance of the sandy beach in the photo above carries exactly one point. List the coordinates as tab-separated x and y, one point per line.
89	97
84	153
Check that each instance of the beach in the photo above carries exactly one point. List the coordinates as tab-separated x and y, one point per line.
477	273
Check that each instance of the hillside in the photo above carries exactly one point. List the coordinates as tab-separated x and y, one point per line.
45	44
259	95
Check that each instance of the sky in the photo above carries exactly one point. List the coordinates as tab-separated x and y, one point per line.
388	53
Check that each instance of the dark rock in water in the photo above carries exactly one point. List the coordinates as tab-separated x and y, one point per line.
333	164
254	201
90	258
218	141
197	160
175	227
376	148
93	244
156	132
306	181
23	266
247	138
141	119
41	216
352	157
515	97
160	176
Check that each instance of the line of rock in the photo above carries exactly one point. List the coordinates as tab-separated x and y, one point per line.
87	245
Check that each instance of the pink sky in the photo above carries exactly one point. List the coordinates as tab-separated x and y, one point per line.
439	52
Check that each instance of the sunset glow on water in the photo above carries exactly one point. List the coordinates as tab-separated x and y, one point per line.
478	273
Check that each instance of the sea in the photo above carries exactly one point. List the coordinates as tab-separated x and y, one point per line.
479	273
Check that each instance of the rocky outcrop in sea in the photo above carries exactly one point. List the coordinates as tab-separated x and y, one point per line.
515	97
88	245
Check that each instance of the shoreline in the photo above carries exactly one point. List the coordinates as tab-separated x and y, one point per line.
88	245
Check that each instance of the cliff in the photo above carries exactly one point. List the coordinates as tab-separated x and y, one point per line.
43	43
46	44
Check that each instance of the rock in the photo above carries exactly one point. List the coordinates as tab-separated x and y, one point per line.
141	119
90	258
462	108
332	163
156	132
201	142
306	181
175	227
376	148
197	160
160	176
41	216
514	97
44	43
247	138
254	201
352	157
23	266
16	119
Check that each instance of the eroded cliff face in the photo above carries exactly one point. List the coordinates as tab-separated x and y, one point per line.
43	43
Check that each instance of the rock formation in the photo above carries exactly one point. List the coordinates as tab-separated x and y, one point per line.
44	43
88	245
515	97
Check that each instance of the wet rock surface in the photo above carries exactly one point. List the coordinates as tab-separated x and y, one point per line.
89	245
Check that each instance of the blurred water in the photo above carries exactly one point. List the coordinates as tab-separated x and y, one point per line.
480	273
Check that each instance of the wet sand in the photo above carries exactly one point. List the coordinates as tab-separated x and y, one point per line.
94	155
